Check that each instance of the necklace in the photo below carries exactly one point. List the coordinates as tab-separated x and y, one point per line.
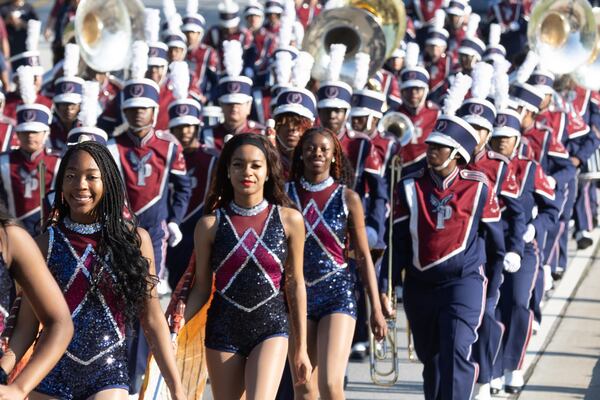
249	212
84	229
316	187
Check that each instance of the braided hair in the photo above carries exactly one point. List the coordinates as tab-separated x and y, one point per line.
341	171
221	190
118	237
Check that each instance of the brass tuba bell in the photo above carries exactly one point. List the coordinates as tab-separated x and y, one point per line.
397	126
375	27
562	33
105	30
588	75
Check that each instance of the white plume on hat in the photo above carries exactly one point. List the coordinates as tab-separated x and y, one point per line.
412	55
26	84
302	68
527	68
494	35
501	67
439	19
289	9
473	25
233	57
88	114
174	23
298	33
283	67
361	76
482	75
71	60
228	6
169	8
139	60
179	75
336	60
285	31
151	24
191	7
456	94
34	29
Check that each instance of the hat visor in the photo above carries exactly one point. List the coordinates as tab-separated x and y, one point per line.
455	11
478	121
333	103
470	52
436	42
191	28
157	62
294	109
235	98
139	102
230	23
177	43
444	140
505	132
364	112
414	83
72	98
32	127
185	120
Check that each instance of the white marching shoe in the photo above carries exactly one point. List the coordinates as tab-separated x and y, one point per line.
496	385
513	381
482	392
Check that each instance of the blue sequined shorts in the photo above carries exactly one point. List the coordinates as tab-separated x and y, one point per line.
233	330
332	295
70	380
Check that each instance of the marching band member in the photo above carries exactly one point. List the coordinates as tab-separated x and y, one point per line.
87	118
512	16
247	326
201	58
423	113
20	169
494	49
438	214
307	10
471	48
422	13
8	137
332	213
151	162
254	15
118	288
529	185
265	38
68	90
234	98
435	59
30	58
459	14
184	124
395	63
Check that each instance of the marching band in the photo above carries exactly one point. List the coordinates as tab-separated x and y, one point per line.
290	173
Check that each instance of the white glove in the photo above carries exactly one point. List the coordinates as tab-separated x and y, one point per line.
175	234
512	262
551	182
371	237
529	234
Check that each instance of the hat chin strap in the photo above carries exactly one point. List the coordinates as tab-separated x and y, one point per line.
447	162
283	145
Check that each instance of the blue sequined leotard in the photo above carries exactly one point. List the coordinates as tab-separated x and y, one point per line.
248	306
7	293
329	283
96	358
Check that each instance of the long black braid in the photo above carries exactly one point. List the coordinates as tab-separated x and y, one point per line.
119	238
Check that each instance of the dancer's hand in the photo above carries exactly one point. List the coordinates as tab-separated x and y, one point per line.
378	325
303	367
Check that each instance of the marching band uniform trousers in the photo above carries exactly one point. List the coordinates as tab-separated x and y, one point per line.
558	235
585	206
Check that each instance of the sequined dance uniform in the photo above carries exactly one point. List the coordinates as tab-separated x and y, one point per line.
248	260
96	358
329	282
7	294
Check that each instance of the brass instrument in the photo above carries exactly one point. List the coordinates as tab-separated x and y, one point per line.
563	34
588	75
41	170
375	27
105	30
398	126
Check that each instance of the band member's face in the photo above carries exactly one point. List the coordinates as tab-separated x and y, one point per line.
139	117
483	138
254	22
359	123
176	54
248	170
273	18
193	38
236	113
289	133
546	102
37	81
317	153
412	96
30	142
504	145
67	112
456	21
397	63
434	52
155	73
465	61
82	187
332	118
185	134
437	154
527	117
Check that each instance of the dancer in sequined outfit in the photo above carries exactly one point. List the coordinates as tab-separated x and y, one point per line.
332	214
251	240
104	265
19	258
